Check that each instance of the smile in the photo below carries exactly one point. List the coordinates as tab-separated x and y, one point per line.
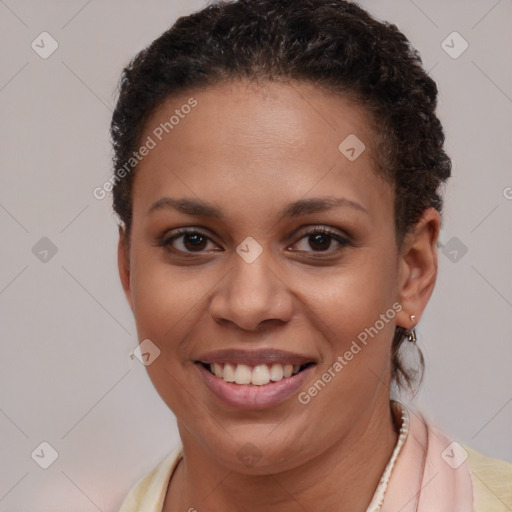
252	387
258	375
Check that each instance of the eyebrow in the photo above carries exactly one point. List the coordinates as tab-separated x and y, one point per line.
199	208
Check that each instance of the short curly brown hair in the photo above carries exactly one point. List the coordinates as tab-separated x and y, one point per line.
333	44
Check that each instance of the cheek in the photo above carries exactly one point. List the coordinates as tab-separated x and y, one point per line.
353	309
164	305
164	297
351	298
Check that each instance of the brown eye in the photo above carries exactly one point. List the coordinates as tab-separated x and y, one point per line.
185	241
194	241
321	239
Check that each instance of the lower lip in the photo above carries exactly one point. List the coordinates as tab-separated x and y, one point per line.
251	396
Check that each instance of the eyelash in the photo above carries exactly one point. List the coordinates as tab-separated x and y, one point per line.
166	241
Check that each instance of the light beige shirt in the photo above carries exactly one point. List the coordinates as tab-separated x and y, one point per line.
491	479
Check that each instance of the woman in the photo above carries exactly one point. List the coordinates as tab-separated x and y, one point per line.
278	166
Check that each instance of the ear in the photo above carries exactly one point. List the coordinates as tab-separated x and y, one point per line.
123	264
418	268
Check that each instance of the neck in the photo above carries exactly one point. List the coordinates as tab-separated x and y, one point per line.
343	478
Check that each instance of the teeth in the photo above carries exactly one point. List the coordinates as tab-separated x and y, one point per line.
243	374
259	375
276	372
217	370
228	373
287	370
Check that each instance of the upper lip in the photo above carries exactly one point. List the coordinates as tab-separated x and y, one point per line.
254	357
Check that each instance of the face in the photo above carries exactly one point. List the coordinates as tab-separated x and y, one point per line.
259	247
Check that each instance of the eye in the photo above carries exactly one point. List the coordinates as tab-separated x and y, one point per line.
320	239
185	240
192	240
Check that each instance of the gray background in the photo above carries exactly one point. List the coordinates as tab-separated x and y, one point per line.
66	376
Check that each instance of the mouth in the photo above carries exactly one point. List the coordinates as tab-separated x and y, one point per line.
254	379
254	375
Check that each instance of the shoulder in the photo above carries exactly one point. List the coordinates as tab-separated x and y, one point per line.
149	492
492	482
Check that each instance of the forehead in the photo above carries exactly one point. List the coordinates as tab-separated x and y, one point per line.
291	115
241	142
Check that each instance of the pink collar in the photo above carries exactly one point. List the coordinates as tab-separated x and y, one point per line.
430	473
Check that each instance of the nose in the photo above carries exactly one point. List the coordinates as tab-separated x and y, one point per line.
252	295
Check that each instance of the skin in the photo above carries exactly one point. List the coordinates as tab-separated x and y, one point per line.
250	150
